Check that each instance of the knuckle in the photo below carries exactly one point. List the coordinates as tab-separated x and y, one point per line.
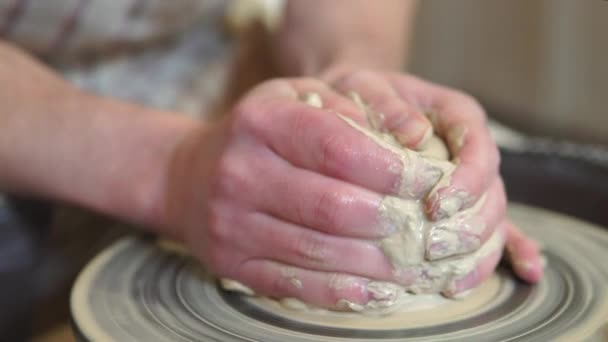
246	118
334	152
231	179
327	208
311	248
217	233
253	116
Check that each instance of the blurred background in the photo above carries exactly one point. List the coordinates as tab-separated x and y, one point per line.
541	66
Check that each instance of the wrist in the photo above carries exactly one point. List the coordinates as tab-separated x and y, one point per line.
188	179
323	64
147	198
315	35
134	149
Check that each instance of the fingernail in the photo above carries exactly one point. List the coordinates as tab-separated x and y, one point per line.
456	137
459	235
344	304
313	100
351	287
455	287
384	291
523	266
528	270
448	205
435	148
381	295
426	137
414	133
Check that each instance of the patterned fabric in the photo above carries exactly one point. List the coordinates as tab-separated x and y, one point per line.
68	27
119	48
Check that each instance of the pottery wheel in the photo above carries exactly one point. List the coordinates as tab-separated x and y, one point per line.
139	291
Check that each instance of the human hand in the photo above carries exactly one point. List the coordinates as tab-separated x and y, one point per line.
284	197
293	197
404	100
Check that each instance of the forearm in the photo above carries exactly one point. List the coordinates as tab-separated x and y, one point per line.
317	34
58	142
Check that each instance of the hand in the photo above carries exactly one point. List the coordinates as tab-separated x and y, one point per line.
404	100
284	197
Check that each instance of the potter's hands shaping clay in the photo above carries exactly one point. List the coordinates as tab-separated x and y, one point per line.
460	120
288	197
285	197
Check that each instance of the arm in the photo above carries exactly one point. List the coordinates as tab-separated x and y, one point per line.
64	144
368	34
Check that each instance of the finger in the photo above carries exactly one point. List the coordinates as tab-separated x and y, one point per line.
295	245
461	122
311	92
482	271
318	140
524	255
329	290
451	276
469	229
485	264
476	156
385	110
319	202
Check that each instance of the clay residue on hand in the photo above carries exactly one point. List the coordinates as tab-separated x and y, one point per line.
408	248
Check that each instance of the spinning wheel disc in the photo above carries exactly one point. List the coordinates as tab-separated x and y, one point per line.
137	290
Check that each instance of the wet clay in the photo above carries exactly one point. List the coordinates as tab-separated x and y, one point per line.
422	310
